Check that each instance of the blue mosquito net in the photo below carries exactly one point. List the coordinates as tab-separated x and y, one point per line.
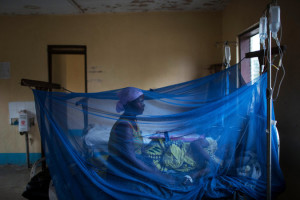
201	139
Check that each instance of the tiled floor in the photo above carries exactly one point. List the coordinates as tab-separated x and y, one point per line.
13	181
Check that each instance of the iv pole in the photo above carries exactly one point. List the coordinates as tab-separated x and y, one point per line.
274	24
272	28
260	54
269	119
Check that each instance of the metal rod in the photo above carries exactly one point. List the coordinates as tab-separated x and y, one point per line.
27	149
269	118
261	53
40	85
237	76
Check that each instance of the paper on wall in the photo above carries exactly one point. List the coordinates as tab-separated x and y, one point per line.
15	107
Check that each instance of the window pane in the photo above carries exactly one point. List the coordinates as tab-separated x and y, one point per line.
254	63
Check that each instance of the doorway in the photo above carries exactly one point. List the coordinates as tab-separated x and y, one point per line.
67	66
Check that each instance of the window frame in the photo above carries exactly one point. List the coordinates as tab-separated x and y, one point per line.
67	49
244	37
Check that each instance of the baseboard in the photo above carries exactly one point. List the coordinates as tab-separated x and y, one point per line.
18	158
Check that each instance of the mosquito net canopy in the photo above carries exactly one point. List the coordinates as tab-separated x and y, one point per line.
202	139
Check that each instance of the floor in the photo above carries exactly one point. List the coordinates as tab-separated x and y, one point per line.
14	178
13	181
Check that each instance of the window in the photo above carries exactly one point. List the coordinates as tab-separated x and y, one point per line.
248	42
254	63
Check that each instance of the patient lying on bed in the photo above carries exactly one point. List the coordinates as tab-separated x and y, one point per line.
183	157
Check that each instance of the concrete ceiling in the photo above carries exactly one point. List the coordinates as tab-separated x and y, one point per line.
66	7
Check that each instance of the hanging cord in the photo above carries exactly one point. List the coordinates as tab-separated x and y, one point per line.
283	75
240	67
240	61
268	52
280	83
280	65
277	69
66	90
279	38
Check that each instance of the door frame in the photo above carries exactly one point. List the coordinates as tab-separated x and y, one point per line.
67	49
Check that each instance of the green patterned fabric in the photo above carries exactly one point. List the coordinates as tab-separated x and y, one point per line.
172	155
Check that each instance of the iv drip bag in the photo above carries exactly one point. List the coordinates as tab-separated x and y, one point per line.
227	54
263	35
274	22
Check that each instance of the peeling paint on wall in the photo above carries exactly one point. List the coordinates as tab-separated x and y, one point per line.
95	69
32	7
112	6
95	80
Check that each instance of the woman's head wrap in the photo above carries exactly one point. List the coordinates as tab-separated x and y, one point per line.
127	95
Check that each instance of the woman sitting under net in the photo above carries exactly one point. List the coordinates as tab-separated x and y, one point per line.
125	144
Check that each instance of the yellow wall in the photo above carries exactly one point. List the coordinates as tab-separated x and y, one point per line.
143	50
239	15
